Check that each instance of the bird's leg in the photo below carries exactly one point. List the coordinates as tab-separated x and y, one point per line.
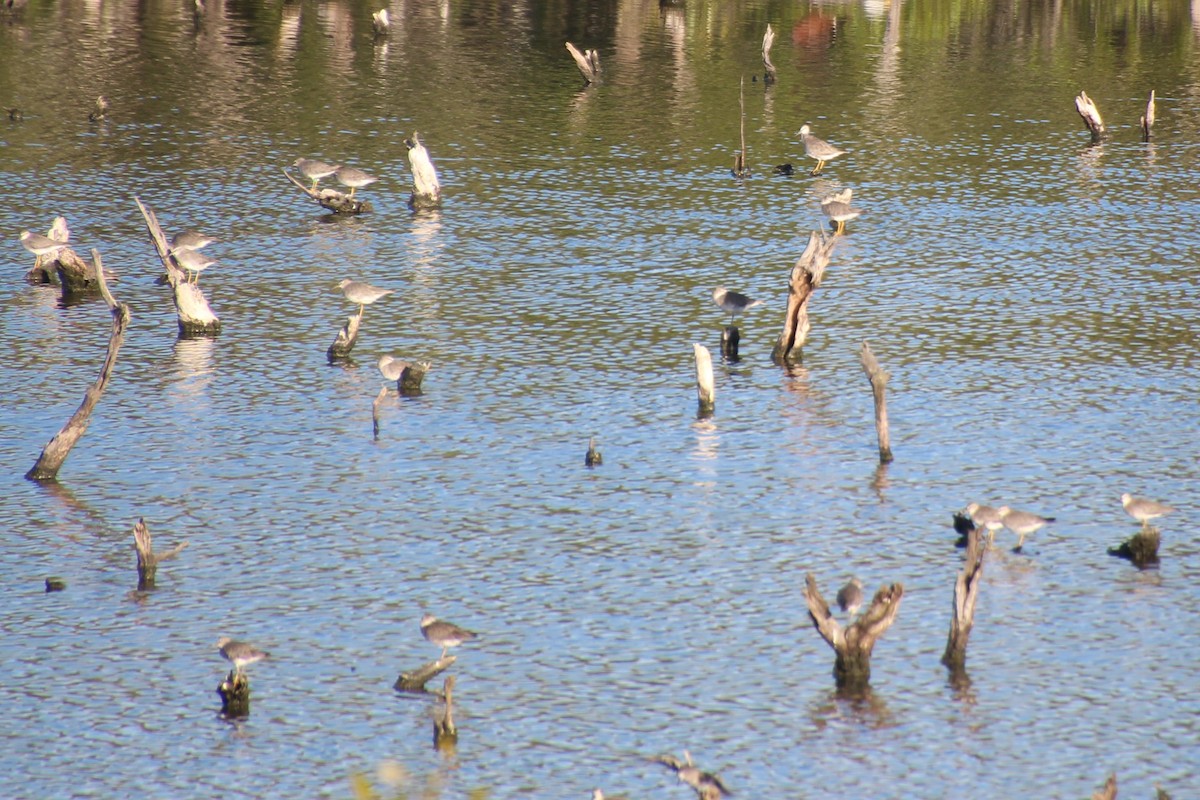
443	653
352	188
841	227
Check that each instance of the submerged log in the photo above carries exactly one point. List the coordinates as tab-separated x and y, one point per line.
806	276
427	191
1141	548
966	591
768	40
55	453
878	378
147	559
706	392
415	681
852	646
194	316
1090	115
1147	121
234	692
346	339
587	61
332	199
444	730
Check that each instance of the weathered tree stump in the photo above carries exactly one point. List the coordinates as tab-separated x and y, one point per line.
588	63
768	40
332	199
706	392
427	190
592	458
56	451
234	692
194	316
1147	121
65	268
147	559
408	375
445	732
806	276
1090	115
1141	548
375	405
346	339
966	591
878	378
1109	792
415	681
731	337
852	646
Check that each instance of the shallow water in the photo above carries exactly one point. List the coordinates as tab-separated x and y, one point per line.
1033	296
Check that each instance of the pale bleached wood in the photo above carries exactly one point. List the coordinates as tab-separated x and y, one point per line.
193	314
878	377
588	62
966	592
147	559
768	40
427	189
331	199
415	681
1147	121
1090	115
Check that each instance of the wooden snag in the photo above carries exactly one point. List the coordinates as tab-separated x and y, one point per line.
592	458
588	62
346	338
415	681
55	584
427	190
1109	792
1147	121
147	559
706	392
1090	115
806	276
966	591
768	40
1141	548
878	378
234	692
445	732
332	199
740	170
730	338
852	646
56	451
192	311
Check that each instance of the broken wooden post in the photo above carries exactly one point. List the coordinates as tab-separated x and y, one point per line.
415	681
706	393
194	316
147	559
1109	792
740	170
346	339
55	453
445	733
408	375
588	62
592	458
1141	548
331	199
966	590
768	40
383	390
806	276
427	191
1147	121
1090	115
879	378
852	646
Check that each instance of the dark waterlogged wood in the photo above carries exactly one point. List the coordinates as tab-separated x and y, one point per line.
192	311
415	681
55	584
56	451
234	692
147	559
588	62
346	338
1147	121
427	190
1090	115
966	591
331	199
1141	548
878	378
768	40
706	392
806	276
408	375
731	337
445	732
852	646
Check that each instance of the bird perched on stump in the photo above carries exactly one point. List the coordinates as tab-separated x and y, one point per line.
733	302
850	596
1143	509
239	653
315	170
819	149
444	634
837	207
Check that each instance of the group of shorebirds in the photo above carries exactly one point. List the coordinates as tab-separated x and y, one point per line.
1024	523
350	177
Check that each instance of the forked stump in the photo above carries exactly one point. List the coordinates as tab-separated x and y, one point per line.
588	62
730	337
346	339
852	646
415	681
878	378
147	559
1141	548
332	199
706	392
806	276
234	692
445	732
966	590
1090	115
191	307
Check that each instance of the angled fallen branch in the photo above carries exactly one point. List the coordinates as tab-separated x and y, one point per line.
587	61
415	681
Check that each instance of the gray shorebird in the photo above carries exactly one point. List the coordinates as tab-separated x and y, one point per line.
40	246
239	653
985	517
353	178
315	170
1143	509
444	634
192	261
733	302
850	596
819	149
708	786
837	207
190	240
1022	523
361	293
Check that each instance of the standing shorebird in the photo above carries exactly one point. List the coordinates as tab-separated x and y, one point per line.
40	246
192	261
353	178
819	149
239	653
733	302
986	517
315	170
361	293
850	596
190	240
1143	509
443	634
837	207
1022	523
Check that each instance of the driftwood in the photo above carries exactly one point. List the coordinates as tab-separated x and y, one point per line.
768	40
588	62
346	339
879	378
1090	115
415	681
55	453
740	170
966	591
332	199
1141	548
1109	792
191	307
445	733
706	392
806	276
147	559
1147	121
592	458
427	191
852	646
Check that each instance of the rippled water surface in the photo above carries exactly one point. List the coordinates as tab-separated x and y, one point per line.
1034	297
